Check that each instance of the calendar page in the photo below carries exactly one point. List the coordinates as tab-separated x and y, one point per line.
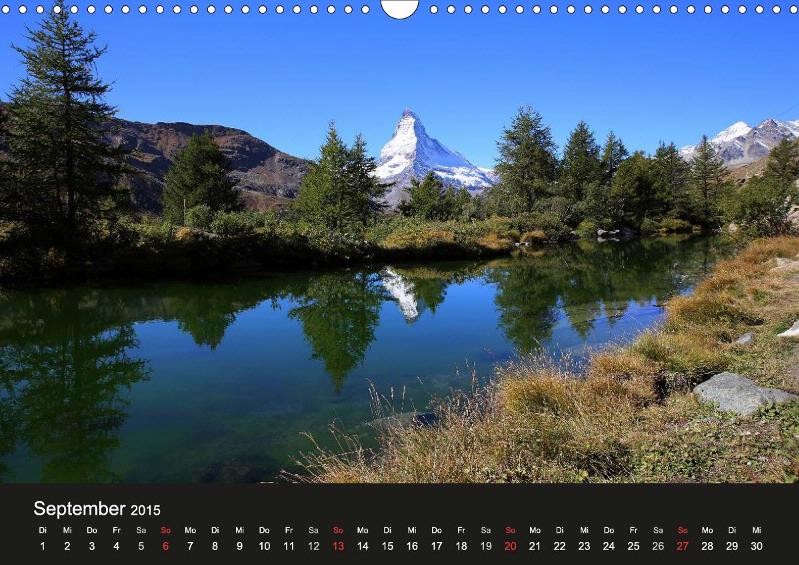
383	281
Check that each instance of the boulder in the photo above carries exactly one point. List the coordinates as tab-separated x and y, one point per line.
793	331
784	264
735	393
745	339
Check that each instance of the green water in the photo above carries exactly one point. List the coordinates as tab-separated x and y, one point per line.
217	382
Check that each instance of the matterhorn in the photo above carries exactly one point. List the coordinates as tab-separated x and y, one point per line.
411	153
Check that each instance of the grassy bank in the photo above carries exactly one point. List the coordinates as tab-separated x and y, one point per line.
630	415
254	242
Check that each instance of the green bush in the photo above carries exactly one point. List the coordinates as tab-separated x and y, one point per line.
587	229
761	207
674	225
200	217
236	224
649	226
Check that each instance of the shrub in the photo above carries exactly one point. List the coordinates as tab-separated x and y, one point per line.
587	229
649	226
674	225
235	224
200	217
534	236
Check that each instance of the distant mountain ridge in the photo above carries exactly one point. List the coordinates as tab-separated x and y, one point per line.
741	144
412	153
263	174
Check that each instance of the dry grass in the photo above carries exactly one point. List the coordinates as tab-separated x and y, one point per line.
629	416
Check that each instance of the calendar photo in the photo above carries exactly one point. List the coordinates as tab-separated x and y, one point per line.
398	242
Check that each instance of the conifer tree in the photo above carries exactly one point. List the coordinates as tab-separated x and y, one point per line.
783	162
64	168
631	191
670	177
425	198
365	191
527	163
613	153
199	175
708	182
581	166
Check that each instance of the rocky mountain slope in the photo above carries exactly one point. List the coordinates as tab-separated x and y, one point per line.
265	175
741	144
411	152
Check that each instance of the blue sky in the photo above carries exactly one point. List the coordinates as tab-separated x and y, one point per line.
282	77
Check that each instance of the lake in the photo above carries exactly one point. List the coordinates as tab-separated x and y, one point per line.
210	382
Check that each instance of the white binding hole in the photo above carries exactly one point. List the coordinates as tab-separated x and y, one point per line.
331	9
708	9
553	9
690	9
211	9
759	9
261	9
159	9
503	9
725	9
741	9
73	9
23	9
622	9
125	9
40	9
656	9
314	9
228	9
776	9
536	9
279	9
484	9
245	9
570	9
348	9
142	9
364	9
296	9
639	9
520	9
450	9
588	9
433	9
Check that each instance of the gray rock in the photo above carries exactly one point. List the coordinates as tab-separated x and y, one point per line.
735	393
745	339
417	419
793	331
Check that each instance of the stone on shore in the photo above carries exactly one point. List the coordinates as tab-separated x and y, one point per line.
735	393
793	331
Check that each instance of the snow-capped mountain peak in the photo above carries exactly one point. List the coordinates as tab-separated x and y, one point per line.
412	153
740	144
735	130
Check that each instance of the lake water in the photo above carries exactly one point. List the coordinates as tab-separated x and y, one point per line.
218	381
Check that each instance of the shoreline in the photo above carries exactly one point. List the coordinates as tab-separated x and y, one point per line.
187	255
632	416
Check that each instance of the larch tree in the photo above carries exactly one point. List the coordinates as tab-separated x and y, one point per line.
64	169
199	176
527	163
